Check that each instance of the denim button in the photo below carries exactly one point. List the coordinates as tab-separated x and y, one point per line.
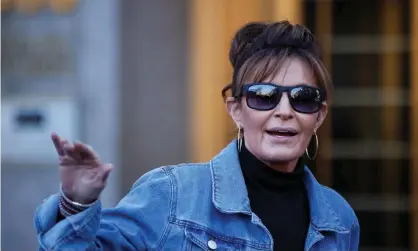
212	244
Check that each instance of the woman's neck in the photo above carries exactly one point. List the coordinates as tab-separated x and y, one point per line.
271	176
287	167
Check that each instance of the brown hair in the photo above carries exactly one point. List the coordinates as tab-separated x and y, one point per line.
258	50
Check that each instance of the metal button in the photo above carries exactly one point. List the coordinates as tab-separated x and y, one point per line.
212	244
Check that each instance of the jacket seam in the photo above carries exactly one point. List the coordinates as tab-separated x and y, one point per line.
346	226
173	202
193	225
354	222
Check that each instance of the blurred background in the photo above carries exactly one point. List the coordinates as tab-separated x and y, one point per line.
141	80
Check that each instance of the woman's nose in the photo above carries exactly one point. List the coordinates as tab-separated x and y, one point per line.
284	109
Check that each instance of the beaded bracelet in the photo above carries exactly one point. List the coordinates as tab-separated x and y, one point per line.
68	207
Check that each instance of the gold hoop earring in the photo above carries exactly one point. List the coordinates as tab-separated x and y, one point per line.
239	138
316	148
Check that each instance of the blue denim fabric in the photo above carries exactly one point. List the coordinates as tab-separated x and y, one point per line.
192	207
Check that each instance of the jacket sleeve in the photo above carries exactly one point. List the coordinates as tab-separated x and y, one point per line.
138	222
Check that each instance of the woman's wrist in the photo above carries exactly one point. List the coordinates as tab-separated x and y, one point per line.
69	207
75	203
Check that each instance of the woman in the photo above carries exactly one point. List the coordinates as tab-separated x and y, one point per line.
256	194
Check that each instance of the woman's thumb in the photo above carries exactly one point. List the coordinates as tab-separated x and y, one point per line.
107	168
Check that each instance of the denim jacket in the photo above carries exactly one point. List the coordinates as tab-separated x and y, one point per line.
201	206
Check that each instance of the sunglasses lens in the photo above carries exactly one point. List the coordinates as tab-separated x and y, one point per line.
305	99
262	97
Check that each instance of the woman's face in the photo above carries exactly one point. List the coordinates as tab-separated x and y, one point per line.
269	147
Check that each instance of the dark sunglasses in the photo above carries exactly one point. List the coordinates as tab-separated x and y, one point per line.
266	96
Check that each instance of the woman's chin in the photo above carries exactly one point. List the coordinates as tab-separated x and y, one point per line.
281	154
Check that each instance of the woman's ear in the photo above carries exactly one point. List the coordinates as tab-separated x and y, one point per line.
322	114
234	110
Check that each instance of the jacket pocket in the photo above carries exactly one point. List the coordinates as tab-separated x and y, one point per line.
199	239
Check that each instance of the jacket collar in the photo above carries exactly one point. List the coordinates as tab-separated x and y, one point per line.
230	193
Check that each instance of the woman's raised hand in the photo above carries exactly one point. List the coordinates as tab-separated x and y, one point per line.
83	176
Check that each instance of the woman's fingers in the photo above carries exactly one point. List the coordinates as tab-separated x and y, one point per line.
70	151
66	160
62	147
73	154
86	152
57	143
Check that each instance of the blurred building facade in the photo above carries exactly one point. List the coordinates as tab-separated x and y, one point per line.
125	70
145	78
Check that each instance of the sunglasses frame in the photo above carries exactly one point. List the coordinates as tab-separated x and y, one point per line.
281	90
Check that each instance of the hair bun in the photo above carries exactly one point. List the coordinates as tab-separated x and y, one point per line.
243	39
259	48
257	36
284	34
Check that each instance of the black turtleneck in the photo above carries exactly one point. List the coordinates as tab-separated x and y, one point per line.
279	199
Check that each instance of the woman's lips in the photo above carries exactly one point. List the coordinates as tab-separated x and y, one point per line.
280	134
